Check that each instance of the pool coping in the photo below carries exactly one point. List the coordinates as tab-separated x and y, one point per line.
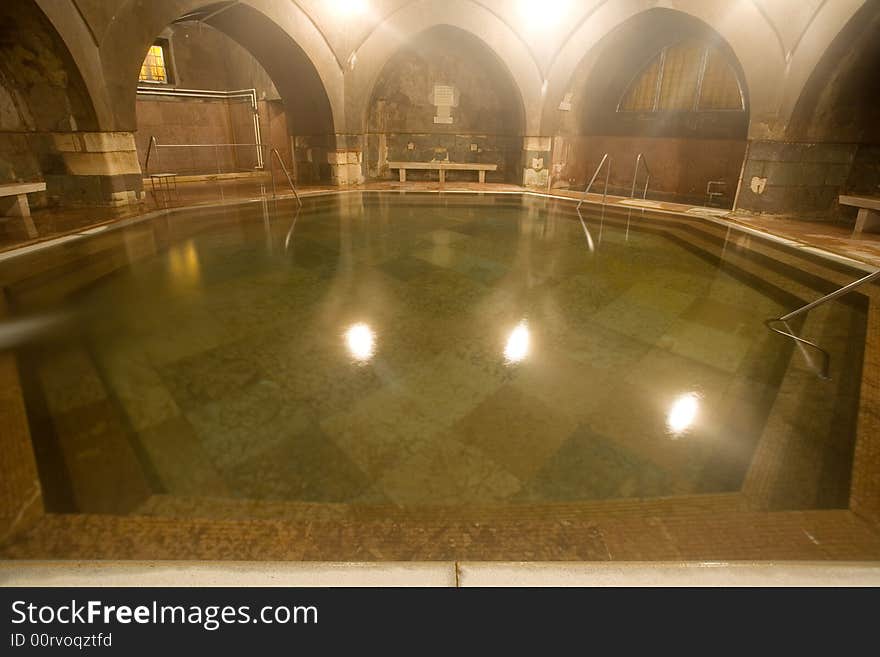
724	220
435	574
846	534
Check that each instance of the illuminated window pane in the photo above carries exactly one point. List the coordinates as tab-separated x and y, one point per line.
681	75
153	69
682	78
640	95
720	89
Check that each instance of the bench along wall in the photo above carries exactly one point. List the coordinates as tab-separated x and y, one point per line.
444	96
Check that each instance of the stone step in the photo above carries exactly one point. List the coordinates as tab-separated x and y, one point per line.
239	509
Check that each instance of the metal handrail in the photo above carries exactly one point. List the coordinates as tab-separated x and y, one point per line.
149	152
640	159
605	159
826	357
272	151
287	175
825	369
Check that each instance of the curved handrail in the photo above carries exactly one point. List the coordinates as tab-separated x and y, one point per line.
605	159
289	179
826	357
640	159
824	371
149	152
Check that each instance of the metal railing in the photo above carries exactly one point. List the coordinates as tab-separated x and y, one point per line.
154	145
825	368
640	160
589	186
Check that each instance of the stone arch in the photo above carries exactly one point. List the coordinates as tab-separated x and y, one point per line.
749	34
821	36
485	124
396	30
44	99
305	59
838	102
686	146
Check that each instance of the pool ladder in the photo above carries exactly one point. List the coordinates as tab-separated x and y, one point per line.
640	160
824	371
641	163
605	160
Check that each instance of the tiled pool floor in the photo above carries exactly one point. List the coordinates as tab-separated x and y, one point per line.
433	362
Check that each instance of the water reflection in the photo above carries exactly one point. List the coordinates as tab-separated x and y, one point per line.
184	264
361	342
288	239
682	413
517	347
590	245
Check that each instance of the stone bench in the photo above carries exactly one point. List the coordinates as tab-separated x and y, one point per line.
14	203
869	212
443	167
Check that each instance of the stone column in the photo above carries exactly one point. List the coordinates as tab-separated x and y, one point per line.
536	158
346	161
93	168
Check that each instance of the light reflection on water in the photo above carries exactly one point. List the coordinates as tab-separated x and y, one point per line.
517	347
361	342
683	413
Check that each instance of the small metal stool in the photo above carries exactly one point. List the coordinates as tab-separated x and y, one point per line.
167	186
715	190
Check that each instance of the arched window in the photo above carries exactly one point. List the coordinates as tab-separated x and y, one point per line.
686	77
155	68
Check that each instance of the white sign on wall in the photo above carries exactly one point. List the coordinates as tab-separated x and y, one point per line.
444	99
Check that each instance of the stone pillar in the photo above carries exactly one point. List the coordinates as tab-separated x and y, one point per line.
537	153
93	168
346	161
794	178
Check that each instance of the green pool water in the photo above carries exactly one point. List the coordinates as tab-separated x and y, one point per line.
425	350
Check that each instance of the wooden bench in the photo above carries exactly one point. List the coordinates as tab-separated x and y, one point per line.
14	203
868	219
443	167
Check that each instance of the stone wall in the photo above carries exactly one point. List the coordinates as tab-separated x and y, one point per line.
478	118
680	168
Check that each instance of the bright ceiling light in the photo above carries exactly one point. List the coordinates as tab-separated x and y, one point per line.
543	13
350	7
517	347
361	342
683	413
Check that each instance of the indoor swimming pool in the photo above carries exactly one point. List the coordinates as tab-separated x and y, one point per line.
407	351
